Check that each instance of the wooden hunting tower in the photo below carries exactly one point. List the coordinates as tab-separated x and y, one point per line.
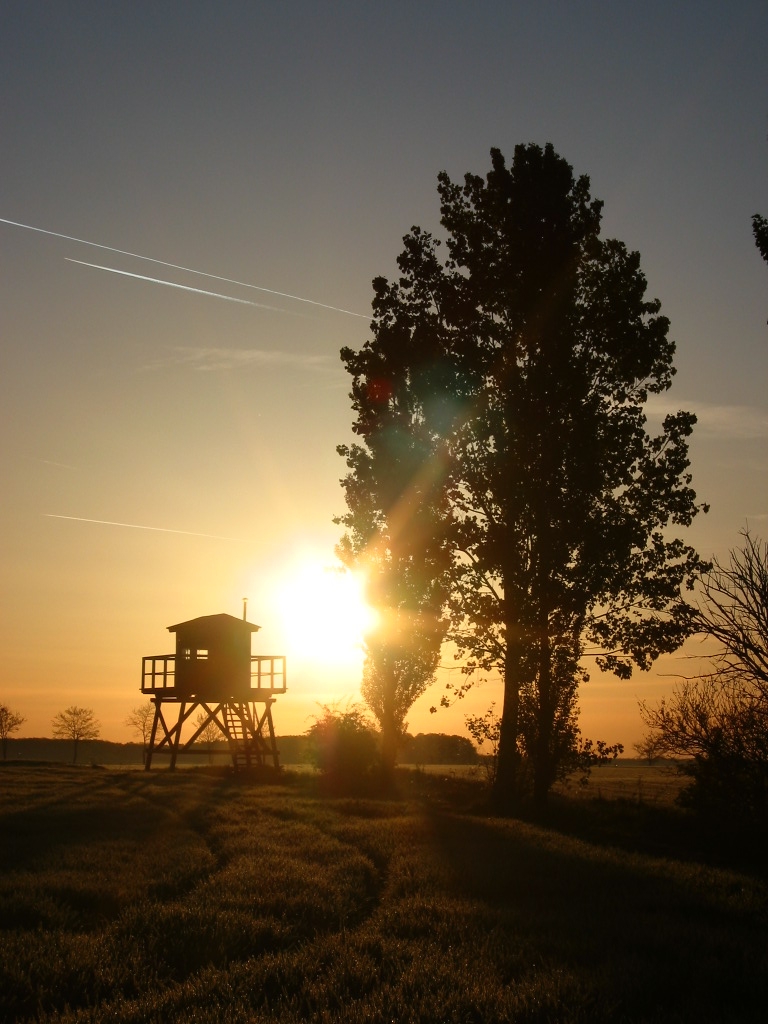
213	669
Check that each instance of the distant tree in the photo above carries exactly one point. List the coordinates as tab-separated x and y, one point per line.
342	744
760	230
439	748
650	748
140	722
718	721
209	733
9	722
520	366
76	724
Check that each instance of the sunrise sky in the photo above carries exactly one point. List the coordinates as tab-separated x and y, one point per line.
290	147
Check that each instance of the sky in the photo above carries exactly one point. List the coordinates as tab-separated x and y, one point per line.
170	448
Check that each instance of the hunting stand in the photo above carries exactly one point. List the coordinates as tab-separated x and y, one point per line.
213	669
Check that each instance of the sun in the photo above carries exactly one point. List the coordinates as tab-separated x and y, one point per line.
323	612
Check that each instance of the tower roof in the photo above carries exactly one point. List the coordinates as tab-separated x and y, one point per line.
220	623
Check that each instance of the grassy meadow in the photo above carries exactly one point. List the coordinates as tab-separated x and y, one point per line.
199	896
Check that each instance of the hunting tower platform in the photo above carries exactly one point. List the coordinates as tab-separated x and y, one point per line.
213	669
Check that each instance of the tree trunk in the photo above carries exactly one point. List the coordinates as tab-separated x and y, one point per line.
542	766
507	783
389	731
545	709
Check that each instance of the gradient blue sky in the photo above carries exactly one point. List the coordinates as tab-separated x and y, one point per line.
291	146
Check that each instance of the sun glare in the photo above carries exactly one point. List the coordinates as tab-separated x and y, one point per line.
323	613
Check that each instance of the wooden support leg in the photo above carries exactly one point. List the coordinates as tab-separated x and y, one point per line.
177	737
152	735
266	718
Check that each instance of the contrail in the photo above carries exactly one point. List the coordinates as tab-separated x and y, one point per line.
183	287
187	270
135	526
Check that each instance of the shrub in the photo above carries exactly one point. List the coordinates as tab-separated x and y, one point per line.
343	745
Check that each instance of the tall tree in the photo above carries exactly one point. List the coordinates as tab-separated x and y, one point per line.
522	363
393	534
76	724
402	655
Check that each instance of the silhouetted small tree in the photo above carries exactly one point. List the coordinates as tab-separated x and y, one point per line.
209	733
140	722
76	724
718	721
9	722
400	662
650	748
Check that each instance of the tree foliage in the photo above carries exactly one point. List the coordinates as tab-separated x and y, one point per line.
10	721
518	367
719	720
393	534
76	724
573	755
401	658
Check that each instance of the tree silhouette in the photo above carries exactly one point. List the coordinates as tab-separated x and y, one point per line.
719	720
394	534
140	722
76	724
400	663
209	732
9	722
521	363
760	231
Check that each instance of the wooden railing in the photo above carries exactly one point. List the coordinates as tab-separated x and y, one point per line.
268	672
158	673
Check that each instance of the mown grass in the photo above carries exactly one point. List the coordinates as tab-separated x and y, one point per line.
195	896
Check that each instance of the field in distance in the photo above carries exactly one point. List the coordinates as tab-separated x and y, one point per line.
132	896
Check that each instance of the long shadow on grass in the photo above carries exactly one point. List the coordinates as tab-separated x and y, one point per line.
98	807
636	827
666	940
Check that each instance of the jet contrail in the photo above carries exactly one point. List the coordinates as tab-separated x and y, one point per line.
187	270
183	287
135	526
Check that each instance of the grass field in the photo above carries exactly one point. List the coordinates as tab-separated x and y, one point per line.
196	896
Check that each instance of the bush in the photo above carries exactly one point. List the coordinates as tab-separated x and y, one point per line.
343	745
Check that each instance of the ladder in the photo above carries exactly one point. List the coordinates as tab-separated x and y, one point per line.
236	719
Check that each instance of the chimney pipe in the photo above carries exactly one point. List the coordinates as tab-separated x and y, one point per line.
245	605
